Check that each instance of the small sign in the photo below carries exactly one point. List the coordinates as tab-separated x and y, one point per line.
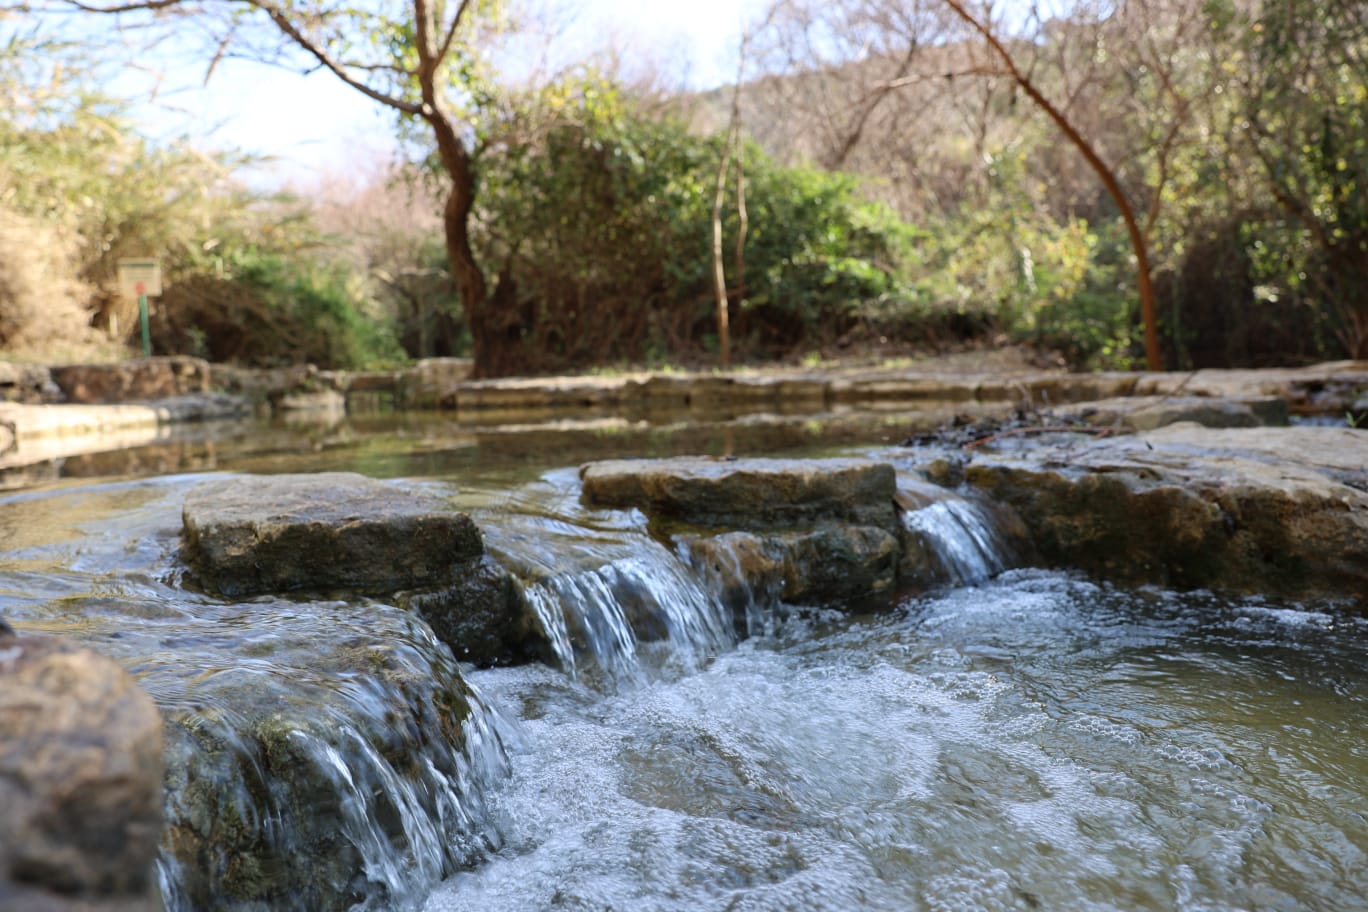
139	278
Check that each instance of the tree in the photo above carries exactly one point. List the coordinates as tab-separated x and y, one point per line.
1139	243
418	58
1305	119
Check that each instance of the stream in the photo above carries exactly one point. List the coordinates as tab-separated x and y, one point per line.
1018	739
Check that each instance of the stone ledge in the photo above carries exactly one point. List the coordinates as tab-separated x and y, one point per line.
747	493
330	531
1281	511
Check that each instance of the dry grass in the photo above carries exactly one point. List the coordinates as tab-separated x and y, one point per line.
43	307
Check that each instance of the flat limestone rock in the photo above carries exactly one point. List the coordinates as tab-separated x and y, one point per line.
1276	510
1147	413
747	494
80	781
281	533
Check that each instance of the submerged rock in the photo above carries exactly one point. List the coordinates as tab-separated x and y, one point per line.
285	533
80	780
1283	511
747	494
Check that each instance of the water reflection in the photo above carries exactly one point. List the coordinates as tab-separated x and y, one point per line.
425	444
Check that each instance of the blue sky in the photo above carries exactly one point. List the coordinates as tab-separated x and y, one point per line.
327	126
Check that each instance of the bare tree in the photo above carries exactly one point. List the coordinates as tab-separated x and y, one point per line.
918	94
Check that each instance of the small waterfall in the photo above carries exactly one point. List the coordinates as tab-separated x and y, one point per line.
607	617
367	773
961	537
613	602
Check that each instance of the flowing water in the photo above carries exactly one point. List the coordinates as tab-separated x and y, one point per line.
1036	742
1020	739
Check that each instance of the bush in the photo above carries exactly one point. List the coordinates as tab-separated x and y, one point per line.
600	223
263	310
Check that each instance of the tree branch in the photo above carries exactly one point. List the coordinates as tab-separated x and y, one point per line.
450	37
288	28
1104	173
141	5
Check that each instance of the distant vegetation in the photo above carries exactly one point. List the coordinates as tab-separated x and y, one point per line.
896	190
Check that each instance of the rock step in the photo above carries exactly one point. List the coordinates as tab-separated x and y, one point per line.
747	493
1279	511
327	531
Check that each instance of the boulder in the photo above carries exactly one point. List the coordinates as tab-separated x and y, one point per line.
80	780
329	531
1282	511
126	381
747	494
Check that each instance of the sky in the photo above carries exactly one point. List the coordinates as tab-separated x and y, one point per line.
330	127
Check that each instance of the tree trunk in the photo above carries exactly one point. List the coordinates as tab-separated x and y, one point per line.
495	326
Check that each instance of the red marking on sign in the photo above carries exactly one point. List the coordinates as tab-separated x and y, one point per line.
140	288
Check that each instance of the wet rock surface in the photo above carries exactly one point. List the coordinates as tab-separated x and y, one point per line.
484	617
80	780
842	533
834	565
747	494
327	531
1282	511
322	774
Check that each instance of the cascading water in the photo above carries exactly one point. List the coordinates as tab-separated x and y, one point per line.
1032	742
605	592
965	541
1035	742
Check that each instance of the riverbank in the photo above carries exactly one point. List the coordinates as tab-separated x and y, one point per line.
52	413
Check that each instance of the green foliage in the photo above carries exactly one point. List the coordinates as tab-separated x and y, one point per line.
85	189
600	217
823	259
1008	264
1307	128
263	309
